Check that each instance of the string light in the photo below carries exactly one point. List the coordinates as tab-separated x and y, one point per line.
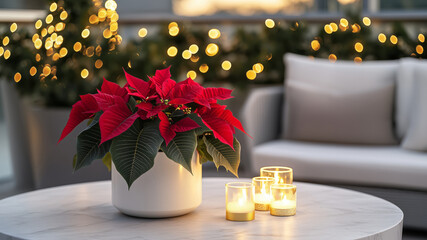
63	52
5	41
85	33
59	26
173	31
38	57
366	21
226	65
129	64
142	32
194	58
1	51
358	47
172	24
53	7
46	70
33	71
93	19
186	54
382	38
251	74
269	23
203	68
44	32
344	22
38	24
214	33
107	33
419	49
102	13
328	29
258	67
393	39
315	45
77	46
98	63
63	15
355	28
193	48
334	26
84	73
111	5
421	37
172	51
17	77
332	58
211	49
49	18
192	74
51	29
7	54
13	27
357	59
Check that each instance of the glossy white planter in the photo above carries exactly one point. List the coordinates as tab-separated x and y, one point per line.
166	190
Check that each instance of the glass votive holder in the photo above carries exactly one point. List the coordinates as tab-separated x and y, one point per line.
262	197
283	200
280	174
239	201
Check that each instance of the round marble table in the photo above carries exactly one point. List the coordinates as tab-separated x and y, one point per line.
84	211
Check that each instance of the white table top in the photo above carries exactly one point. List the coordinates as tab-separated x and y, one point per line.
84	211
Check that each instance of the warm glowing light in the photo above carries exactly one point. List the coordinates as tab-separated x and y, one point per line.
344	22
38	43
194	58
17	77
334	26
93	19
382	38
77	46
203	68
5	41
172	24
142	32
46	70
258	67
315	45
48	44
53	7
35	37
84	73
38	57
393	39
251	74
107	33
129	64
358	47
357	59
63	52
38	24
98	63
186	54
193	48
114	17
355	28
33	71
192	74
54	36
85	33
102	13
1	51
55	57
173	31
63	15
332	58
419	49
212	49
214	33
49	18
328	29
172	51
7	54
59	26
421	37
269	23
13	27
111	5
114	27
366	21
226	65
51	29
44	32
90	51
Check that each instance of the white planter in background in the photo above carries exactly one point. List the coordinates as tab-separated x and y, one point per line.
166	190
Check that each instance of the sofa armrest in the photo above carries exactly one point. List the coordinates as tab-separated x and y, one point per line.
261	117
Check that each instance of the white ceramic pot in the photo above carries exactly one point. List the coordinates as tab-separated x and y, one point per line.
166	190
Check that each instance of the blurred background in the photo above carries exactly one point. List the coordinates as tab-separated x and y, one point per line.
53	51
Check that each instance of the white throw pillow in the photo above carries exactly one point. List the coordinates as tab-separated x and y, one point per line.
416	136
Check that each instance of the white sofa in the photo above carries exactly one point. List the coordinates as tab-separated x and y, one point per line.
388	171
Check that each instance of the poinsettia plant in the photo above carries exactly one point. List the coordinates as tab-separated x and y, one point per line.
130	125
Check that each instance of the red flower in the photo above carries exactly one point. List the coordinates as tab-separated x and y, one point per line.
168	130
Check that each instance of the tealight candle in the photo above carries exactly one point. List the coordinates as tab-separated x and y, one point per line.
283	200
280	174
239	201
262	192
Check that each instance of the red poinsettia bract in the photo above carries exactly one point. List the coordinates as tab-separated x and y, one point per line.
157	98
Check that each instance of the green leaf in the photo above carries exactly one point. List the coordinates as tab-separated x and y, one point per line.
133	151
88	148
202	129
204	156
222	154
181	148
106	160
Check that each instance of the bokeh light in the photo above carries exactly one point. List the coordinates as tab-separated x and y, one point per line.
393	39
142	32
214	33
358	47
186	54
212	49
315	45
84	73
226	65
192	74
203	68
332	58
382	38
366	21
193	48
269	23
251	74
172	51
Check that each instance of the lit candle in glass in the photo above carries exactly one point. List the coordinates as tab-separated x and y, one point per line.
239	201
280	174
262	192
283	200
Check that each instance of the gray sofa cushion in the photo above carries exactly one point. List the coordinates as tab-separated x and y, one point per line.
416	136
339	102
389	166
